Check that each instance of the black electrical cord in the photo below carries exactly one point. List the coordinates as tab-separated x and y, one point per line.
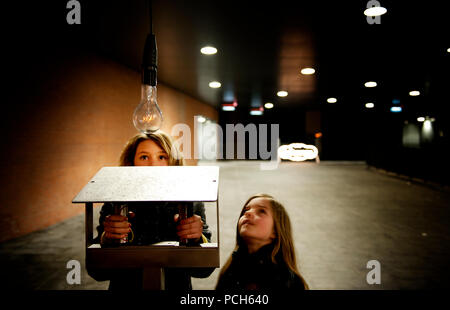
150	56
150	13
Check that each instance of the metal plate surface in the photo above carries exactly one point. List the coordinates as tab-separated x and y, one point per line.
168	183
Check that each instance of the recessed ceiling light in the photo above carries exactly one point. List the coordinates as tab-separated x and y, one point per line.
201	119
421	119
369	105
370	84
307	71
214	84
375	11
331	100
448	50
414	93
282	93
268	105
257	111
208	50
396	109
228	107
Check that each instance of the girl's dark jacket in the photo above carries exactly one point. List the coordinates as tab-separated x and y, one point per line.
151	224
256	271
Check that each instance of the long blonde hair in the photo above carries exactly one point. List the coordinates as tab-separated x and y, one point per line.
159	137
282	244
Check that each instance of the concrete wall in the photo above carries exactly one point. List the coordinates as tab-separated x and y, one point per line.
65	118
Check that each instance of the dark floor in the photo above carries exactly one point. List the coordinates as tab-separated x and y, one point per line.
343	214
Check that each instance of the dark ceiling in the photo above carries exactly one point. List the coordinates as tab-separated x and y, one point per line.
261	47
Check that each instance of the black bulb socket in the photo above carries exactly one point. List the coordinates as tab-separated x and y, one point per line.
150	61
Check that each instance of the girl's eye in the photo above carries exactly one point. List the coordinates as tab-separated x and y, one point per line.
162	157
143	157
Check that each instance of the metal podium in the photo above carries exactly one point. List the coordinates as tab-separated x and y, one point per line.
151	184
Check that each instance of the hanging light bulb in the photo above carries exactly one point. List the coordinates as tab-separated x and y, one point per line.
147	116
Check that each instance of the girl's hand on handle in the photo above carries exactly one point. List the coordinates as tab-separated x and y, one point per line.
116	227
189	228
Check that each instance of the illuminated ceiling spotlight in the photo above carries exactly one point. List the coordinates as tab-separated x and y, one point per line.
307	71
268	105
282	93
257	111
331	100
414	93
214	84
375	11
396	109
201	119
229	106
370	84
421	119
448	50
370	105
208	50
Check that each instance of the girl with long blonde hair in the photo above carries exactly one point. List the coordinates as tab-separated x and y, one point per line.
264	256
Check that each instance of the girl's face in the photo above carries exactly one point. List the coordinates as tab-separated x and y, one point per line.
256	224
149	153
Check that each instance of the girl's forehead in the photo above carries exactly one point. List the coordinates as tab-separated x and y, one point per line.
149	145
260	202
